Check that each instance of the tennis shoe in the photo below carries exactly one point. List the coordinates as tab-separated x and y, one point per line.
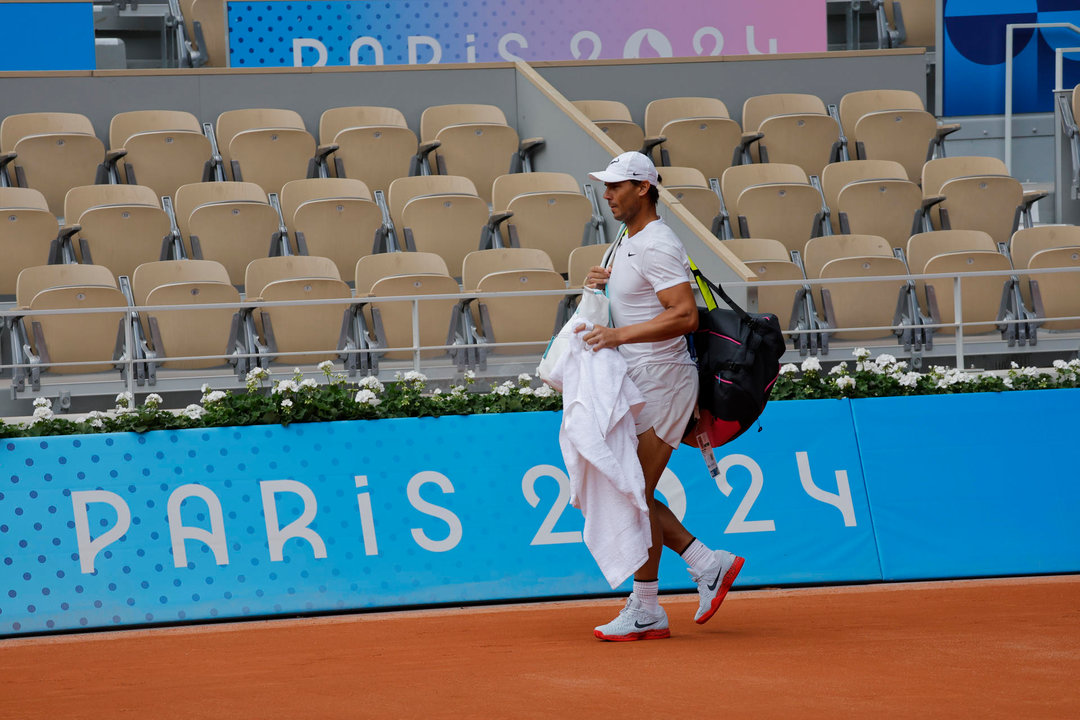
635	622
713	584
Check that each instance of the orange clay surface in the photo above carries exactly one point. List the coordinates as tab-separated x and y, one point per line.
979	649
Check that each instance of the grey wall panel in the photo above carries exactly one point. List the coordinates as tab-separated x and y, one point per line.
733	80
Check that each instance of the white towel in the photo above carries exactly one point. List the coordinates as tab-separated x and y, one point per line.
599	447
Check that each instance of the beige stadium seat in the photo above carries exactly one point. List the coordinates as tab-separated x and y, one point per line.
582	260
920	19
54	153
392	320
229	222
958	251
889	208
699	133
315	332
769	260
121	226
210	14
869	304
169	272
937	172
530	319
193	332
482	263
268	147
772	200
32	280
79	337
550	213
838	175
993	204
440	214
690	188
336	216
891	125
474	142
375	144
1027	242
27	232
372	268
796	128
614	120
1058	292
165	148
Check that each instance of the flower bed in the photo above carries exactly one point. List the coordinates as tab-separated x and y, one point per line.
300	400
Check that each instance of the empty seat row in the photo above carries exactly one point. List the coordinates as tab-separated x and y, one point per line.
164	149
790	128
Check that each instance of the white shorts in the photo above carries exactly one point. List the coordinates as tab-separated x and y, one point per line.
670	393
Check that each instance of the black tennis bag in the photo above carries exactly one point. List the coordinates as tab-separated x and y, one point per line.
738	358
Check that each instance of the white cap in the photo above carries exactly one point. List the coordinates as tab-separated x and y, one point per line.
628	166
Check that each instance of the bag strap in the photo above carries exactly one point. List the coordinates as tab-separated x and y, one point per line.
609	254
707	288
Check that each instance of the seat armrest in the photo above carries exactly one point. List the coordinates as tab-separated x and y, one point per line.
323	151
650	143
931	201
749	138
947	129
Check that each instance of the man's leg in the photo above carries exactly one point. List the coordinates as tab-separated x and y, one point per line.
654	453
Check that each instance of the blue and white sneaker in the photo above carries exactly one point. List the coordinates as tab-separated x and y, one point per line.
713	584
635	622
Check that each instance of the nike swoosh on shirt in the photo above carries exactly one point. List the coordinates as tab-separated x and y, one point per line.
638	624
630	254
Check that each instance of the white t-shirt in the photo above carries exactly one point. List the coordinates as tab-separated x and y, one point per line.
652	260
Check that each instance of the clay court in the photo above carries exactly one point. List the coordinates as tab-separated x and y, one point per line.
987	649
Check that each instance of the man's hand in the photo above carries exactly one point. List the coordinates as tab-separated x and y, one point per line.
597	277
600	337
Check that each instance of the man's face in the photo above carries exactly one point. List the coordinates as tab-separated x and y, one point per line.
625	199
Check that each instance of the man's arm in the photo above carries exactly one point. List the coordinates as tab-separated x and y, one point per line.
680	316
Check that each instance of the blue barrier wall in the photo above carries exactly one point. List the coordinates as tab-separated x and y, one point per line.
112	530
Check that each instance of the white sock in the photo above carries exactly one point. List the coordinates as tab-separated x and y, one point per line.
698	556
645	592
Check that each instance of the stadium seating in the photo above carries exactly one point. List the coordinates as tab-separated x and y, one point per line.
120	226
690	187
334	218
210	14
299	334
531	320
268	147
836	176
614	120
229	222
583	259
440	214
550	213
1049	295
375	144
27	233
164	149
769	260
474	141
795	128
892	125
892	209
481	263
188	332
698	132
772	200
54	152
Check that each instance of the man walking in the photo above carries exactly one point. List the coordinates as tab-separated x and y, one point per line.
652	308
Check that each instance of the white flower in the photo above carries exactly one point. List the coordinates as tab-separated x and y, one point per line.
42	402
789	369
501	390
437	391
525	391
470	375
125	400
41	414
193	411
371	383
1061	365
309	383
1030	372
909	379
1007	382
1074	363
836	369
902	365
413	376
205	388
366	397
152	400
286	403
860	353
255	376
284	386
297	371
525	378
811	364
885	359
97	423
214	396
1013	365
845	382
544	391
457	390
327	366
